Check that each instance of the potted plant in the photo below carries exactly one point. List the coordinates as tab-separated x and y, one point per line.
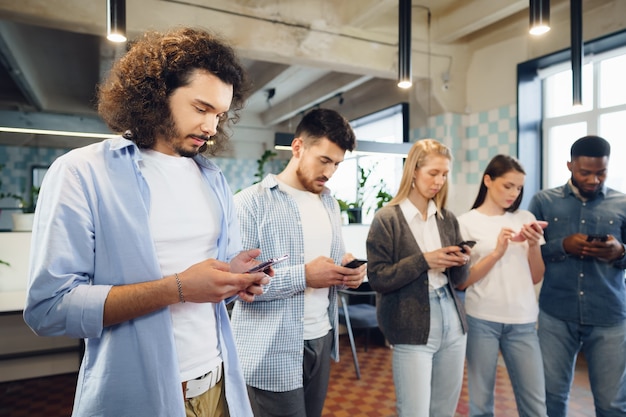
382	196
267	156
354	209
366	193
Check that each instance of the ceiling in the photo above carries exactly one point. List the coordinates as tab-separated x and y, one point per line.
302	53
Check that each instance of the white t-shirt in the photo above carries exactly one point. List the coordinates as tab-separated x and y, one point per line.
506	293
184	222
317	233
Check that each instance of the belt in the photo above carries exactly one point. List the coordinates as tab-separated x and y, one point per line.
203	383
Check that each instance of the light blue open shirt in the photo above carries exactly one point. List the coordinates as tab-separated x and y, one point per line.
92	232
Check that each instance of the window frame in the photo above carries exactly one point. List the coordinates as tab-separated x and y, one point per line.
530	140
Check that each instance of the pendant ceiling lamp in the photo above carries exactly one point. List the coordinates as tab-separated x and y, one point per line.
116	20
404	44
576	17
539	13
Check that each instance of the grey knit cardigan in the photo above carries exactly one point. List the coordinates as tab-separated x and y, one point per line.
397	269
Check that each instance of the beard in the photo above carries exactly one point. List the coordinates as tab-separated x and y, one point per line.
589	195
187	153
171	132
309	184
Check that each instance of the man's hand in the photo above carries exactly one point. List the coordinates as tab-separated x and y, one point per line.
574	244
322	272
212	281
606	251
353	277
207	281
244	260
577	244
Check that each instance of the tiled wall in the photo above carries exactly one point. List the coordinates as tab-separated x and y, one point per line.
474	139
240	173
18	162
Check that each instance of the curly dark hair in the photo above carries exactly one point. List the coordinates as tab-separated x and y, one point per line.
135	96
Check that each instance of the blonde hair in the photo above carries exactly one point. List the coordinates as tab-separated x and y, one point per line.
417	157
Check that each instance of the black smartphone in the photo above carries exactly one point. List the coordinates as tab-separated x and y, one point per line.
265	265
469	243
600	238
355	263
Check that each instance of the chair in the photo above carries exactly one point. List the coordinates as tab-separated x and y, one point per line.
358	316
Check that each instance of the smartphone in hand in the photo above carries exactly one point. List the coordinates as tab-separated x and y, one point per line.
265	265
355	263
599	238
469	243
519	237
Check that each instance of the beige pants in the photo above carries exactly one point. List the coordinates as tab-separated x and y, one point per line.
210	404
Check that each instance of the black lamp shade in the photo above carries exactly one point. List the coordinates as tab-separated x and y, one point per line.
404	44
539	14
576	17
116	20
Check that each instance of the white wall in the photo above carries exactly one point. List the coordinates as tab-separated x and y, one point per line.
354	236
492	75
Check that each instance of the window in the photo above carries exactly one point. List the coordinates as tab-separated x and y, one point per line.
383	171
603	113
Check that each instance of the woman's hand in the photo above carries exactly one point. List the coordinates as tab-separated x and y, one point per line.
533	233
502	243
446	257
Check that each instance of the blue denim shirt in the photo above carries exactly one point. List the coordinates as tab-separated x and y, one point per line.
270	331
587	291
91	232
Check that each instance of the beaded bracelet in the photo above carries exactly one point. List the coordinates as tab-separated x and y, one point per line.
181	297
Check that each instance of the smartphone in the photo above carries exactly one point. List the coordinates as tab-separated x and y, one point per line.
600	238
469	243
355	263
265	265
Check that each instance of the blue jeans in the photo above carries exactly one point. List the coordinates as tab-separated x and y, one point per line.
604	348
520	349
428	378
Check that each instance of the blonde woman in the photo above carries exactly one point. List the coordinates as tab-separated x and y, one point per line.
415	262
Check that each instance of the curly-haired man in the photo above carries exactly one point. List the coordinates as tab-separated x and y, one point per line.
136	243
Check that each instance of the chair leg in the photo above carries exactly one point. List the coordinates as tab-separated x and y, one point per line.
351	337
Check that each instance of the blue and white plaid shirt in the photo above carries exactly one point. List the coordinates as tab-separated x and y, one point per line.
269	333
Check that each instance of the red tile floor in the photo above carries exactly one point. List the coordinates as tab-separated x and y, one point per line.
372	395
